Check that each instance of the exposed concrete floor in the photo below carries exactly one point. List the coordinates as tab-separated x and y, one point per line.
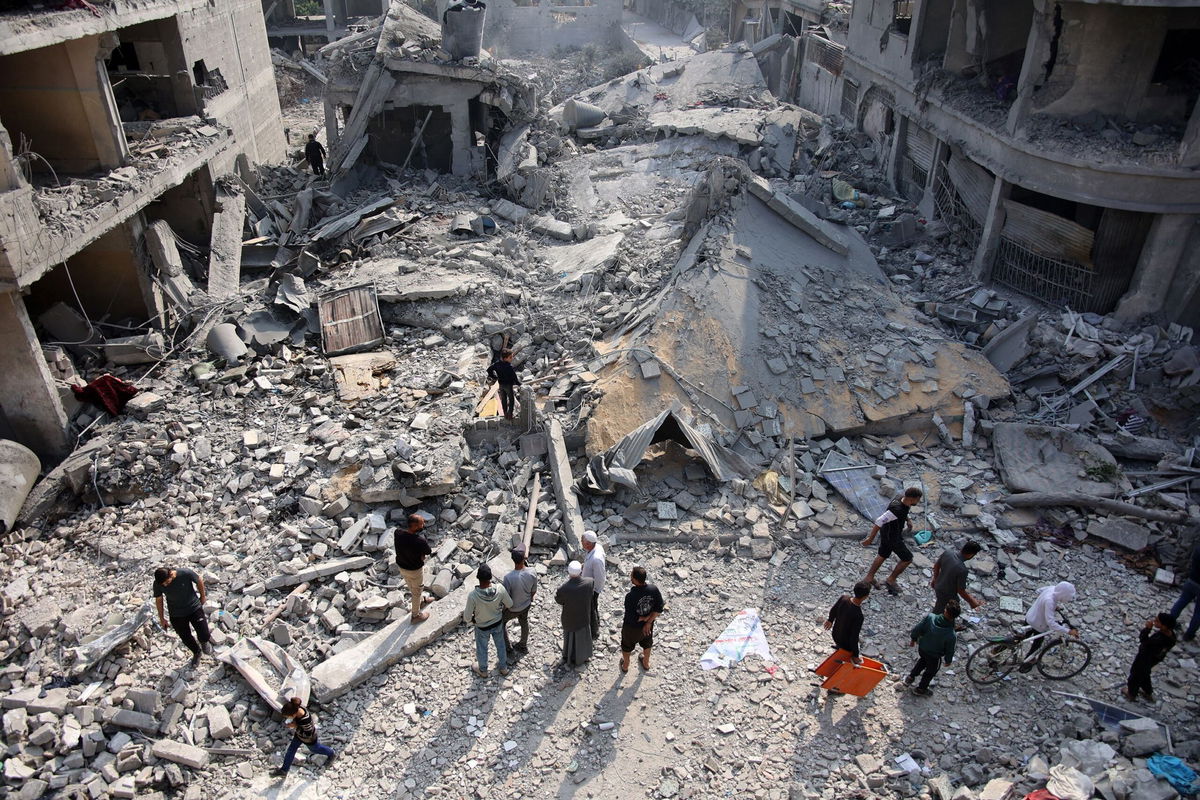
653	38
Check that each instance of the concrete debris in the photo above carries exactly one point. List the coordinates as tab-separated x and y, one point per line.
671	238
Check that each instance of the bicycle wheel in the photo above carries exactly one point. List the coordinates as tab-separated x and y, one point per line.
1064	659
991	662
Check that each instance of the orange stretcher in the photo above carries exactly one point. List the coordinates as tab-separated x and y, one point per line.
842	674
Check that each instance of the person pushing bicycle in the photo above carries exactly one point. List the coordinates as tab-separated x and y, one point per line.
1043	617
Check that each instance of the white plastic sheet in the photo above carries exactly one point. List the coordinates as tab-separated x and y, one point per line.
1067	783
742	638
88	654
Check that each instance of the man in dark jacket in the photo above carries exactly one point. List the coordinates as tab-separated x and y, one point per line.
1156	640
314	153
846	619
1190	594
890	528
934	639
503	373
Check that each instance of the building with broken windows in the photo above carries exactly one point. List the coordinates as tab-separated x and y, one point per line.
1058	140
117	120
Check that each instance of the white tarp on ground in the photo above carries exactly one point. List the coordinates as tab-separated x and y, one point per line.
743	637
88	654
615	466
247	657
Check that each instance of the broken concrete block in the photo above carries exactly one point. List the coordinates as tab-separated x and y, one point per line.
144	403
320	570
331	618
180	753
127	718
336	508
1143	743
1129	535
219	724
442	583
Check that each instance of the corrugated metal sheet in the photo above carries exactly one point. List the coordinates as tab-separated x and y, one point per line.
824	53
973	184
615	465
1047	234
919	145
350	319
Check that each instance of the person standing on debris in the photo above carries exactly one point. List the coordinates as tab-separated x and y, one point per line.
934	639
185	595
1156	639
575	597
304	731
950	577
594	568
1043	615
643	604
890	528
1190	594
411	549
314	152
521	585
503	372
485	610
846	619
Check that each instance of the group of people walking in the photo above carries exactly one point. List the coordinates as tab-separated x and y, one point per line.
935	635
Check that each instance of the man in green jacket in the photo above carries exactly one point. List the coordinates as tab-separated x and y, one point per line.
934	638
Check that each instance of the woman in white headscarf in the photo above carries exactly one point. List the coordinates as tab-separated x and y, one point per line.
1042	616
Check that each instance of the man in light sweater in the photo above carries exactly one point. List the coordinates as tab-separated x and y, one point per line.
485	610
594	568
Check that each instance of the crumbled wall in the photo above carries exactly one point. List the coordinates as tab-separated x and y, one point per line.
513	29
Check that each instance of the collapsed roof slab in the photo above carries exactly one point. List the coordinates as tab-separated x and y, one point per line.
763	330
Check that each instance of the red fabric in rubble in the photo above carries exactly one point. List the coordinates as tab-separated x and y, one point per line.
107	392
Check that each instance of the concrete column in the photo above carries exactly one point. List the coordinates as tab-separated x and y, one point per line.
1161	255
900	125
1037	51
461	138
992	226
99	105
331	126
329	18
1189	146
28	396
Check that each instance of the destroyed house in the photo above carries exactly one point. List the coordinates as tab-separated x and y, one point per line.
114	121
1057	141
416	106
294	30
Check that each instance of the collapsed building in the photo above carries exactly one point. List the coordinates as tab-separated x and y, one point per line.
114	122
1057	140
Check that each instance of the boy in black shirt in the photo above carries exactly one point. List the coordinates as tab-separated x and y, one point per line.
643	604
890	527
502	372
846	619
1157	638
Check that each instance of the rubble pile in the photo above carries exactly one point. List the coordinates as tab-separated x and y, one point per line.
710	262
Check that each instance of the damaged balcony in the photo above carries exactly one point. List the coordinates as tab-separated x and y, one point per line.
67	214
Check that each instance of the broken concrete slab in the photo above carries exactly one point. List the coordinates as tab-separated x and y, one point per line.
824	232
180	753
19	468
1009	347
320	570
1041	458
1129	535
574	261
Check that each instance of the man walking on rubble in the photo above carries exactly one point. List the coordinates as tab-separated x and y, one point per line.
1190	594
643	604
575	597
521	585
314	153
503	372
411	549
950	577
890	527
185	596
594	568
485	610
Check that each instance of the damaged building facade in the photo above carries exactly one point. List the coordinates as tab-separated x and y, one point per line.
1057	141
115	124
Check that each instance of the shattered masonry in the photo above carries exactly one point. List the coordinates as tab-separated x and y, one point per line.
755	291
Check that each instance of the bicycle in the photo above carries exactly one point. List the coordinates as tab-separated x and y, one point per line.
1059	658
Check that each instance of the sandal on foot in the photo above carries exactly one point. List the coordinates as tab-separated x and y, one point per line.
623	665
644	663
